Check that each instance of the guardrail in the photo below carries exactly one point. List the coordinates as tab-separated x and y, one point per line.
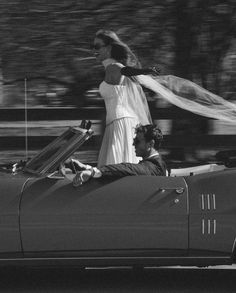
170	142
88	112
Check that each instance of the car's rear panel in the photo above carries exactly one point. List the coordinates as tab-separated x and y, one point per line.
212	220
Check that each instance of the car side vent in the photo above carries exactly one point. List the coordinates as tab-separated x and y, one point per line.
208	202
208	226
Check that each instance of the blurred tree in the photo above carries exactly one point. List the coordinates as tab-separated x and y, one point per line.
186	38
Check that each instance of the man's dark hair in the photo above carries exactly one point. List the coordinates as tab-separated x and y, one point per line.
151	132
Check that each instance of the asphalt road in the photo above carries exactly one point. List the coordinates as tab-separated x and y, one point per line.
220	279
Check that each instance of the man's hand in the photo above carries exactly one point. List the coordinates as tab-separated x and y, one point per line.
80	166
19	166
76	165
82	177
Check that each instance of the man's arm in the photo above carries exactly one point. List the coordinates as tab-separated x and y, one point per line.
118	171
127	169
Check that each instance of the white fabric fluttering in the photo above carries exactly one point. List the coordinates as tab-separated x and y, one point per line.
136	101
190	96
117	144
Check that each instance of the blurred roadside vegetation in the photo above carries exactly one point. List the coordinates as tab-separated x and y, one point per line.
47	43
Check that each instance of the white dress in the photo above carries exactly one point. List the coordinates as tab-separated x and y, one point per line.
121	120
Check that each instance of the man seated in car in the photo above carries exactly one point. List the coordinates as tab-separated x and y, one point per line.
146	142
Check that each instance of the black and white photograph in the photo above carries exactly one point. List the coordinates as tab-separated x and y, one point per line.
117	146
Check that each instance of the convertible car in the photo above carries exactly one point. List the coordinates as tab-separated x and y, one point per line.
183	219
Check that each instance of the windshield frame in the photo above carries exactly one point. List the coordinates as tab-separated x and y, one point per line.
60	149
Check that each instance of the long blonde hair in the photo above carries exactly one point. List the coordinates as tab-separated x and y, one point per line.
119	50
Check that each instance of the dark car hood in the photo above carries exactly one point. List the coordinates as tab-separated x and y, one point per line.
8	174
11	188
11	185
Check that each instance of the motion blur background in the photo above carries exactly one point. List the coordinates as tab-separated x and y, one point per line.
45	47
45	40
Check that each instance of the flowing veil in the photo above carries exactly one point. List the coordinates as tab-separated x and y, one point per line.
190	96
136	101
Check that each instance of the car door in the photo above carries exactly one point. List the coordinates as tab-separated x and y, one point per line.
132	213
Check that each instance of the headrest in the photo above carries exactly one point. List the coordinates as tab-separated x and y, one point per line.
227	157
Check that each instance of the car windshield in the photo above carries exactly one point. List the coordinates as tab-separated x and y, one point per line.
49	159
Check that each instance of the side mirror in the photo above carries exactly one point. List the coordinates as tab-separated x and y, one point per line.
85	124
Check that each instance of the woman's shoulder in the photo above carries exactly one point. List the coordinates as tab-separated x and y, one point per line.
115	66
113	73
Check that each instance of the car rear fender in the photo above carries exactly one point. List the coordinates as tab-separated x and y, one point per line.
213	211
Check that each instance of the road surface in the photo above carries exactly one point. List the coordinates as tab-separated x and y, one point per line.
219	279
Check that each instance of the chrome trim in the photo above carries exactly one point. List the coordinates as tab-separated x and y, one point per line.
214	201
208	202
203	203
210	230
111	257
203	226
178	189
187	195
214	226
176	201
209	226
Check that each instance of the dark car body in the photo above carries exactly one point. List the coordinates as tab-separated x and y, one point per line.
135	220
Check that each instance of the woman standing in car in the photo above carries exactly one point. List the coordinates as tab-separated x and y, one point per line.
125	101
